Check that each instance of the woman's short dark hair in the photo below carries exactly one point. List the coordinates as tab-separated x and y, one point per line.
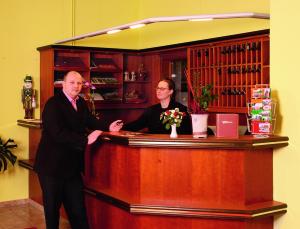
171	86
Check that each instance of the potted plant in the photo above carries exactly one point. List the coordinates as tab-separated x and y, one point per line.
6	155
203	96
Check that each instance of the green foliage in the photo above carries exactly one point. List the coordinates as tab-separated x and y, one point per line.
205	97
6	155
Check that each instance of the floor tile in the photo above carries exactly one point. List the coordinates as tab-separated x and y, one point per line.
25	215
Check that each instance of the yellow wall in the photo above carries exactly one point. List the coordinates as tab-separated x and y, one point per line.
94	15
285	80
158	34
170	33
26	25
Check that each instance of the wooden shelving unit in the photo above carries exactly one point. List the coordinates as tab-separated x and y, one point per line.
103	68
233	67
127	78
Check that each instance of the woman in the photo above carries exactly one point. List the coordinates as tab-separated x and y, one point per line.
165	92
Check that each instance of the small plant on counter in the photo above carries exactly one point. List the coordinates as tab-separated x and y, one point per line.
202	94
204	97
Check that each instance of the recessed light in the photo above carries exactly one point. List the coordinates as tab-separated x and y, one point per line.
113	31
140	23
136	26
201	19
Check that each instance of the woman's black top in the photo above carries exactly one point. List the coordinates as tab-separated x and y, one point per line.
151	119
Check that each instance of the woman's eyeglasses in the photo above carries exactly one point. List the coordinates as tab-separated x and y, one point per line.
161	89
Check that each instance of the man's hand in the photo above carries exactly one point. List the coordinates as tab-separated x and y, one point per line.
93	136
116	126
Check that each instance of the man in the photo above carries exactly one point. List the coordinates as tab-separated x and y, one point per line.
60	155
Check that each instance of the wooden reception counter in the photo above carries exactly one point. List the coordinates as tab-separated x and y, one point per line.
142	181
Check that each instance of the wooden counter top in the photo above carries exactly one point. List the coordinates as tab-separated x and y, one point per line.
136	139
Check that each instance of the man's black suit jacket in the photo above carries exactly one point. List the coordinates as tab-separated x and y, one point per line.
64	137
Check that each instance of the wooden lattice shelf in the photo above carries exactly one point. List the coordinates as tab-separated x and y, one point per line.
233	67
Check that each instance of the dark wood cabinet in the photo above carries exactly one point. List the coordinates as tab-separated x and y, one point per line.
233	67
126	79
105	69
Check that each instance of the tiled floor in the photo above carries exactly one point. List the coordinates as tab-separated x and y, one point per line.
25	215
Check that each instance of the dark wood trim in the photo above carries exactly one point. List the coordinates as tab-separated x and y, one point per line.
31	123
136	139
248	212
108	199
159	48
87	48
27	164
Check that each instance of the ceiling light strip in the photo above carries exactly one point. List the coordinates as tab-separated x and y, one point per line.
168	19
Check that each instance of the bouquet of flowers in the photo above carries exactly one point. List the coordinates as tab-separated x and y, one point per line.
171	117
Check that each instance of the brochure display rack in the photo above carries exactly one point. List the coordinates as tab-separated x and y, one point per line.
261	111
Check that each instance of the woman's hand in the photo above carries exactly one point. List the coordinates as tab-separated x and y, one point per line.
92	137
116	126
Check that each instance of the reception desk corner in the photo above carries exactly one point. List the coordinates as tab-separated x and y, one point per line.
142	181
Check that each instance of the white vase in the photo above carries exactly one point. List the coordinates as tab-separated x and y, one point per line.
199	122
173	131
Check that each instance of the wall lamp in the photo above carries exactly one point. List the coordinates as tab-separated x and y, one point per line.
141	23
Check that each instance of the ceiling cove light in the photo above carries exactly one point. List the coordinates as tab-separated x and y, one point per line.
167	19
201	19
136	26
113	31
